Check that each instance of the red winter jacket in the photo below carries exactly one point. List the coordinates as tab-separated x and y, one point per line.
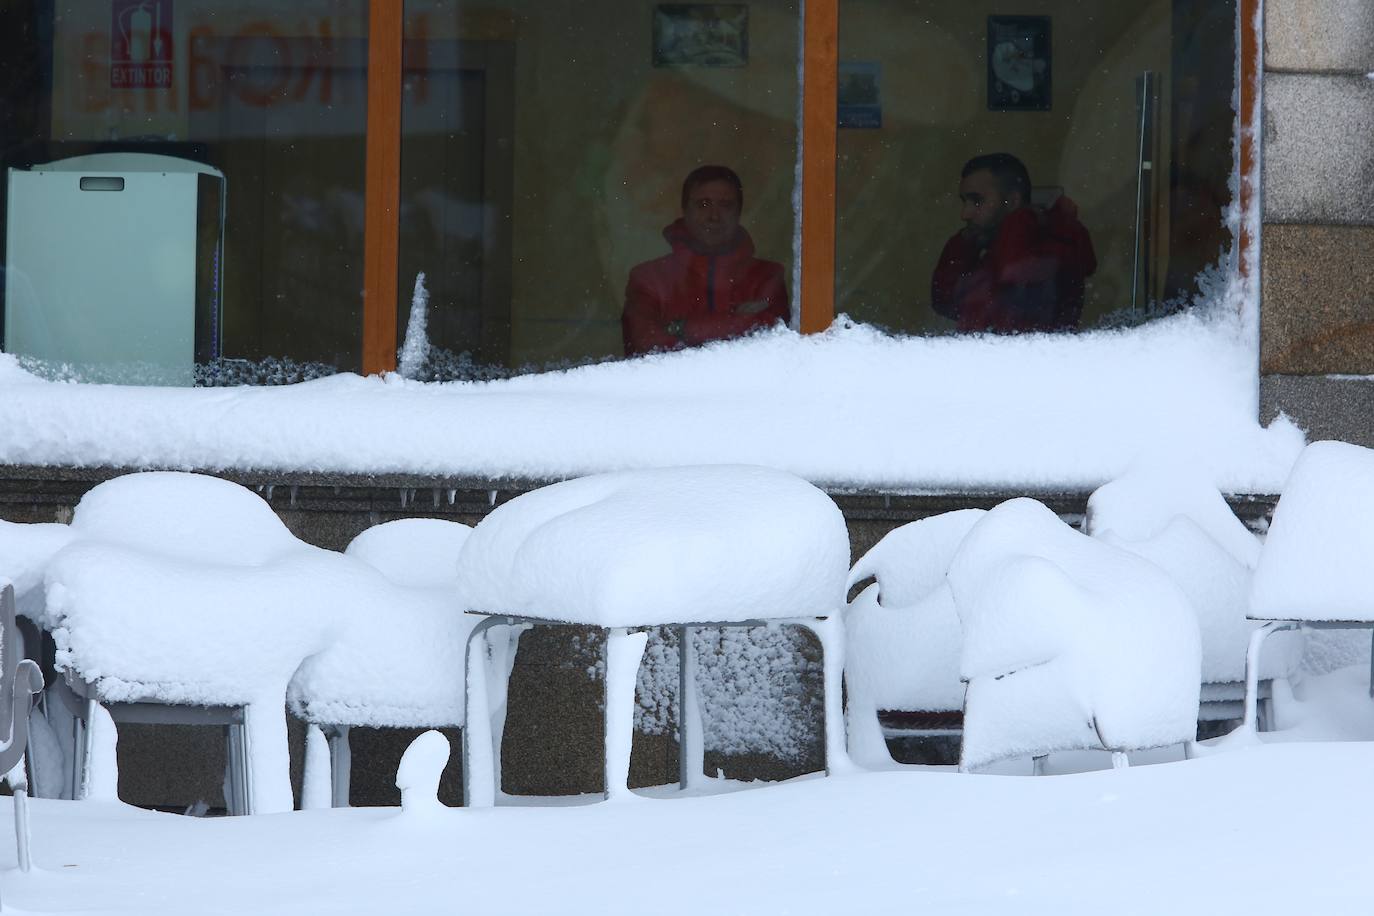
702	291
1029	279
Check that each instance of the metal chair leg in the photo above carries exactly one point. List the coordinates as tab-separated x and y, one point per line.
238	794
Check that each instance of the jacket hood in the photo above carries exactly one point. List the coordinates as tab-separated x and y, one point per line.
677	237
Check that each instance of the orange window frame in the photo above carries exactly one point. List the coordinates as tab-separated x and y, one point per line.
820	73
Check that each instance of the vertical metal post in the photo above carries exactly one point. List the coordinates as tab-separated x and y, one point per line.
1140	260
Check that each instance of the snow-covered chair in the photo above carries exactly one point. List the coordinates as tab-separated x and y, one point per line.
402	667
711	546
1179	521
20	682
182	598
25	550
1315	567
902	638
1068	643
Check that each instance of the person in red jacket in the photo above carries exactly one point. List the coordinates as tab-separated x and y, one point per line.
710	287
1012	267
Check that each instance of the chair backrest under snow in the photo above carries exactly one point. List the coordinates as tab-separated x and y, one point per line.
20	679
1067	642
1179	521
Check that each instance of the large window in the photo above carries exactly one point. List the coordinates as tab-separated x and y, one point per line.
1123	108
544	151
269	95
540	156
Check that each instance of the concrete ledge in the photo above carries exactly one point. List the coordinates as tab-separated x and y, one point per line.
1318	159
1318	292
1319	35
1327	407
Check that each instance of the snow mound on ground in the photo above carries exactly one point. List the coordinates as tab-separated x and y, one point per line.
24	554
404	665
1179	521
1141	503
673	545
1068	642
1316	560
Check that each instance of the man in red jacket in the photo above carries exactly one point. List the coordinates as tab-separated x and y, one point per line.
711	286
1012	267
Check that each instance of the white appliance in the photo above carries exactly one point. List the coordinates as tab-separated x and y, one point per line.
114	265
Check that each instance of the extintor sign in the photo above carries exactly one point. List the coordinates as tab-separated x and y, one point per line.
141	44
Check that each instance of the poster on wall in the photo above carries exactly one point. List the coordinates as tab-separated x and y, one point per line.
701	35
860	95
141	44
1019	63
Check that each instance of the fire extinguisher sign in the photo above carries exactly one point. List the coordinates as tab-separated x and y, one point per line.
141	44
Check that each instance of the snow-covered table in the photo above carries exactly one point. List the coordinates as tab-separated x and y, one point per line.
713	546
1314	568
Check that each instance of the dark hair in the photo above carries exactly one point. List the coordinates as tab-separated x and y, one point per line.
711	173
1009	172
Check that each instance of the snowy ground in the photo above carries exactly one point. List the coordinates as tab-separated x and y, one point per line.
1275	829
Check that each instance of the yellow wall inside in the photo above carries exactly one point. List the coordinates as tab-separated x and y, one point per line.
603	138
603	141
897	194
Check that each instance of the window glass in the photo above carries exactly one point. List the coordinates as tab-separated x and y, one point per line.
239	257
544	151
1120	113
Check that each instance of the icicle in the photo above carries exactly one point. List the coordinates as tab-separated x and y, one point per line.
293	496
415	349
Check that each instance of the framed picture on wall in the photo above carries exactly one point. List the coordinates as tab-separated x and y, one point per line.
701	35
1020	63
860	94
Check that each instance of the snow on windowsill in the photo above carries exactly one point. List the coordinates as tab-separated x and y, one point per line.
851	407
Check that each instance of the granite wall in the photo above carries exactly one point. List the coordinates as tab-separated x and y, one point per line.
1317	257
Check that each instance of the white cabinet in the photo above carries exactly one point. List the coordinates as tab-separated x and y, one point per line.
113	266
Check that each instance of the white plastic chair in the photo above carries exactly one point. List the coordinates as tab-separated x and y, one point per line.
902	637
1314	569
1180	522
403	666
20	682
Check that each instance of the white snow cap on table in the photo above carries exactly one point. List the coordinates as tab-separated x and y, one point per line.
1317	559
1068	642
670	545
24	554
1178	520
403	666
1145	500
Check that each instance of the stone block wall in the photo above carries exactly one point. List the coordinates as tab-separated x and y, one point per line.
1317	256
